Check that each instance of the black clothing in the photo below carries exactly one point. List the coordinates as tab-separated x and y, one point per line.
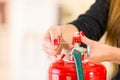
93	22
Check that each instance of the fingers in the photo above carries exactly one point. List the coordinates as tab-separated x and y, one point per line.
84	39
50	44
52	51
55	34
90	44
52	35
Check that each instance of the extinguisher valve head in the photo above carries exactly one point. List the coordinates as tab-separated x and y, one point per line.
82	50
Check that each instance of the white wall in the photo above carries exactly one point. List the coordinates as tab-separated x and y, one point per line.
74	8
29	19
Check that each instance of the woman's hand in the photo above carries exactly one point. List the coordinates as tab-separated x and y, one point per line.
98	51
57	38
50	41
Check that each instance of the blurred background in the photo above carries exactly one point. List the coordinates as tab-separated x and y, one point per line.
22	26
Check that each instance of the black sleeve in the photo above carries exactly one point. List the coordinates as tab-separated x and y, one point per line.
94	21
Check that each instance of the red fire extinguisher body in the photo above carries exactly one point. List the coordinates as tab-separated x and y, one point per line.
66	70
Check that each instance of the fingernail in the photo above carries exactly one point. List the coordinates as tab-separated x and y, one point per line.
63	55
82	33
55	42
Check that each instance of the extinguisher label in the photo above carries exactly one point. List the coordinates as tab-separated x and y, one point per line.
55	77
61	77
68	78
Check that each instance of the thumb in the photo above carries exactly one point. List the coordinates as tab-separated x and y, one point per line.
55	34
84	39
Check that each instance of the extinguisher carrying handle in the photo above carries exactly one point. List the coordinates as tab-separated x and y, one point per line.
78	61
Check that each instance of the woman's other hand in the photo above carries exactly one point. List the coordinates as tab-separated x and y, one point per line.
96	51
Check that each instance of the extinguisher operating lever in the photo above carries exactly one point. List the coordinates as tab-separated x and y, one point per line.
78	61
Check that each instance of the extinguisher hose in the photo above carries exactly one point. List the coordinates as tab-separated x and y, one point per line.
78	61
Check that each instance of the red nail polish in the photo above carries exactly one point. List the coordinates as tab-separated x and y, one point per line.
63	55
82	33
55	42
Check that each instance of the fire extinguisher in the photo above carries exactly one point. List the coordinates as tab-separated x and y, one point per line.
77	68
